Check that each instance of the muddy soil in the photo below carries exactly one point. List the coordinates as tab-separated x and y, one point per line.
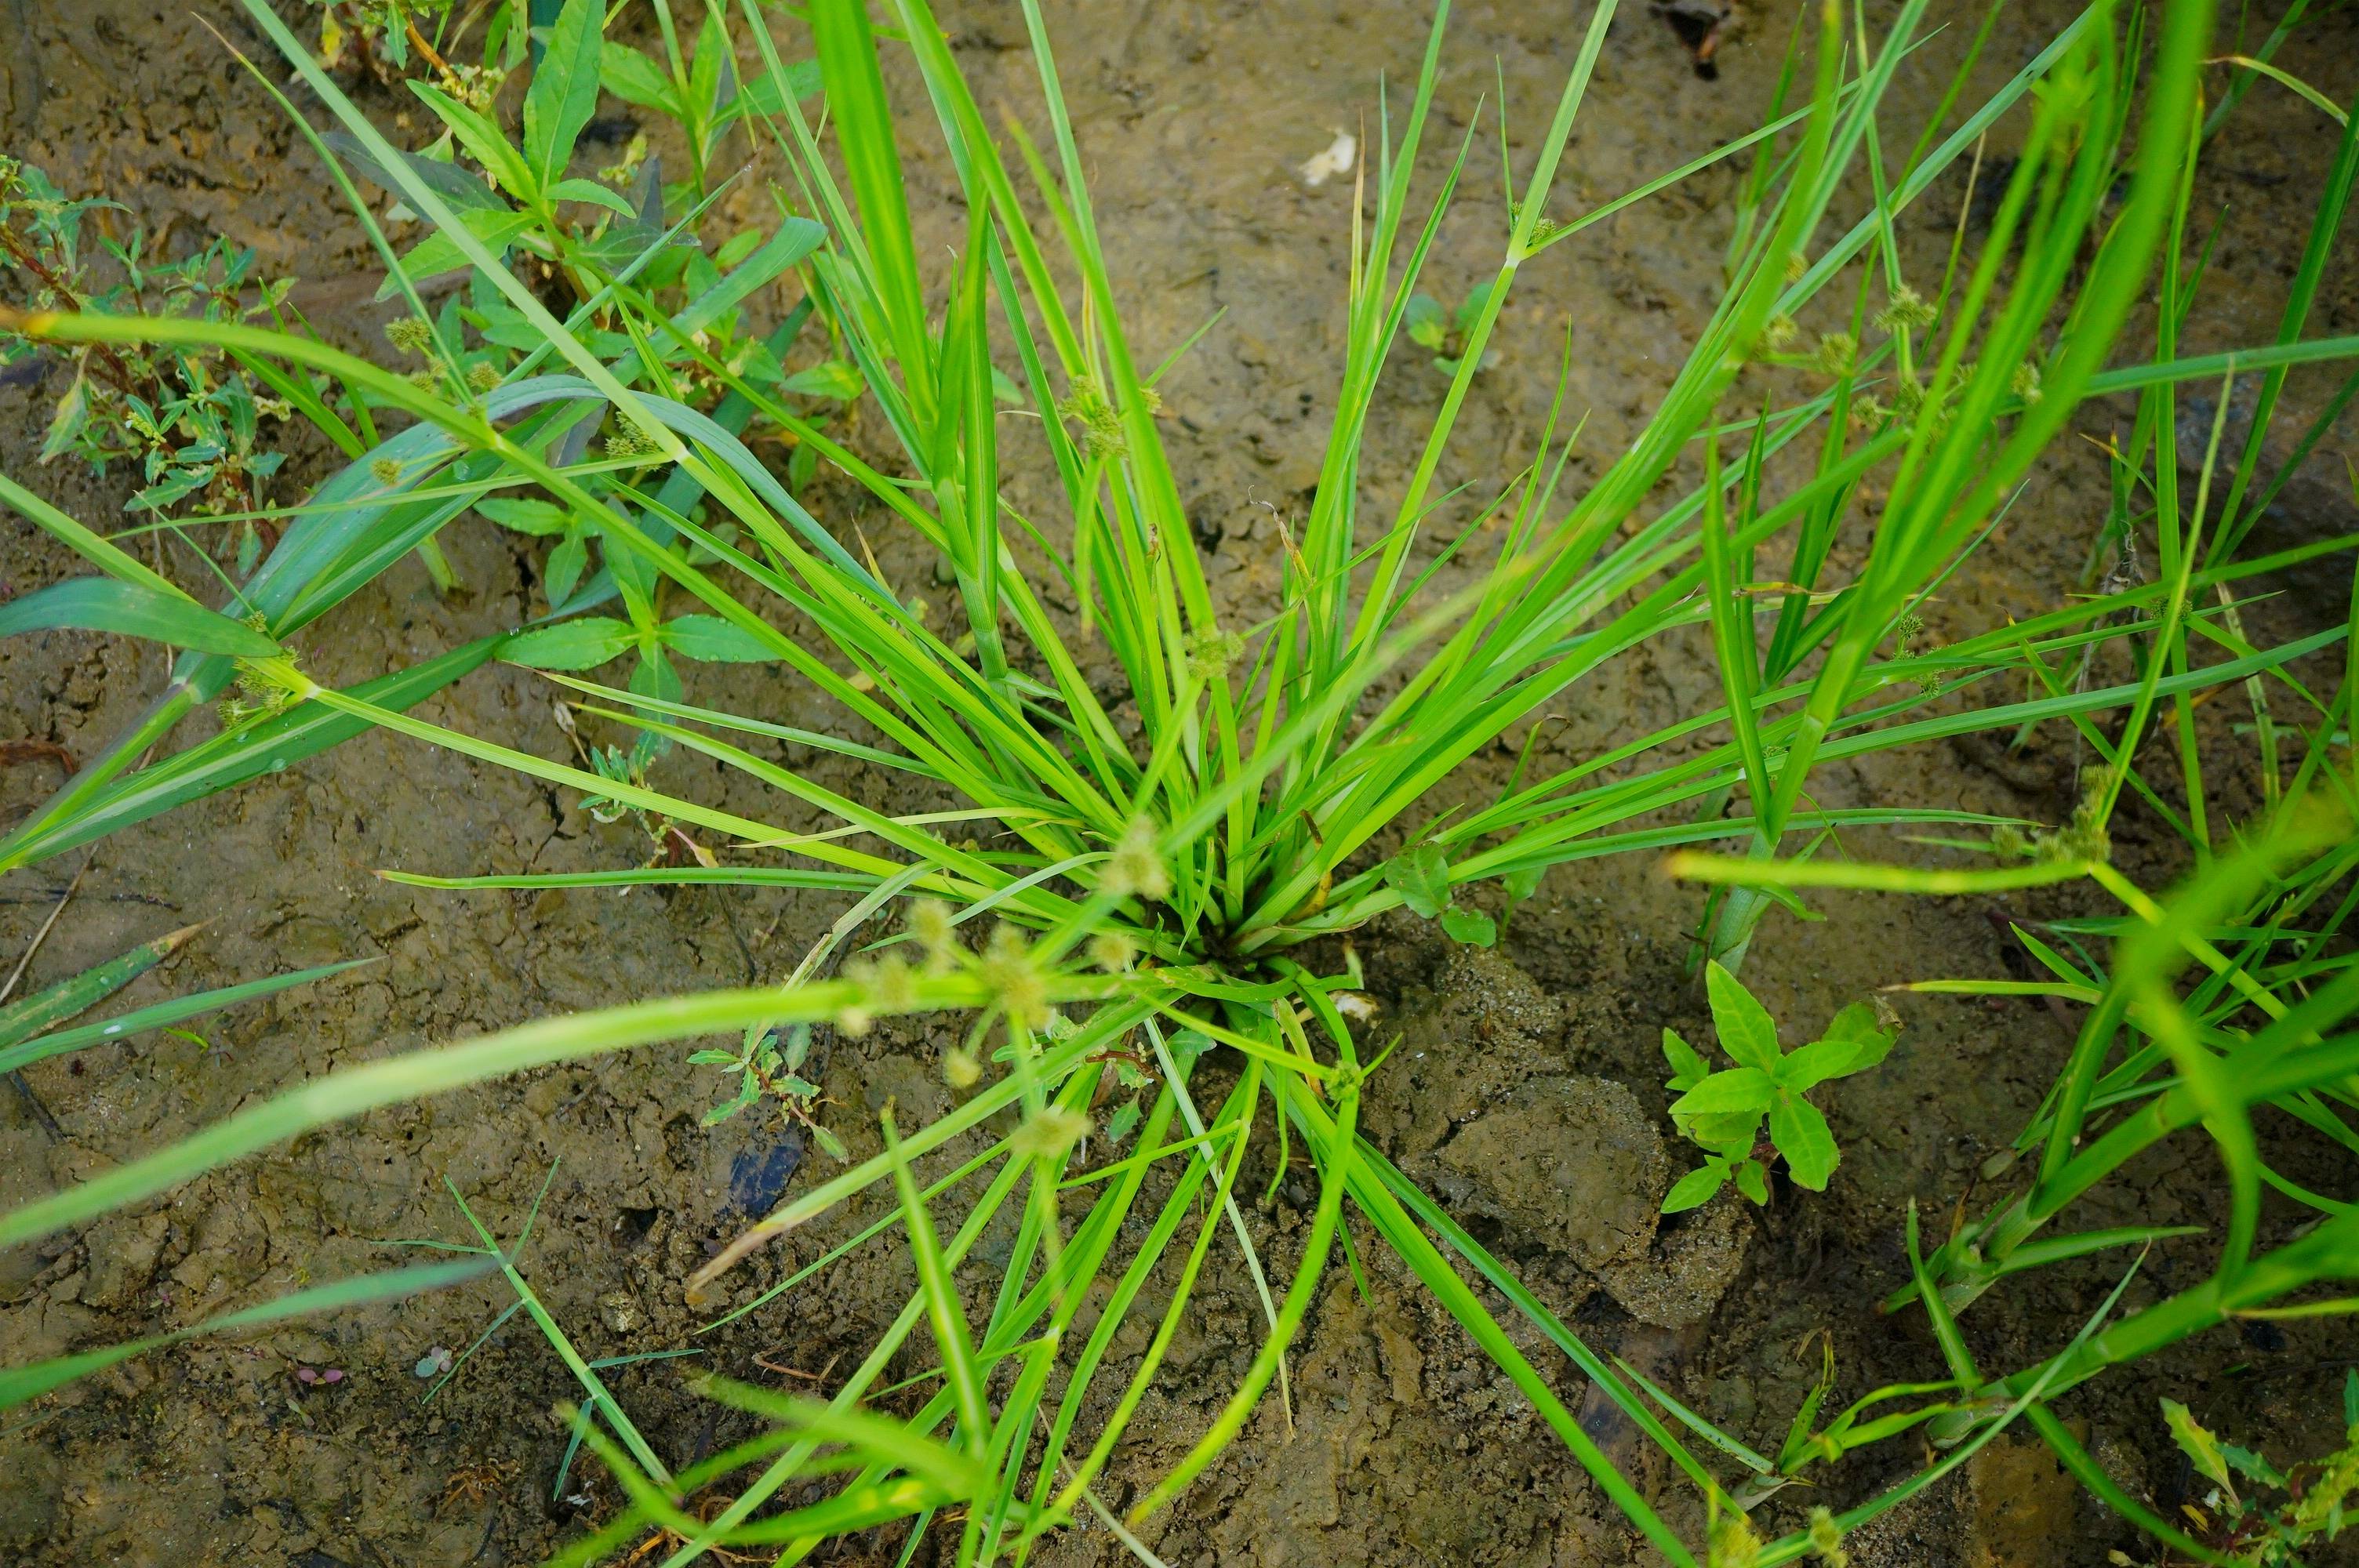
1527	1094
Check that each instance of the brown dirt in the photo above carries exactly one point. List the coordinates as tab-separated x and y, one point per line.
1533	1104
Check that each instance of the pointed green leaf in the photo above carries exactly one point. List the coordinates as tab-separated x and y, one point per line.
461	190
638	80
1736	1089
2244	1462
1857	1027
49	1008
563	570
1469	925
1753	1181
66	423
837	378
1801	1135
1122	1123
597	195
571	645
1807	1066
796	239
439	252
1695	1188
536	518
564	91
711	640
482	140
1746	1030
105	604
1688	1068
2200	1446
763	94
1421	876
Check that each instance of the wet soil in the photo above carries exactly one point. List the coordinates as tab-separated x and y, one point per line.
1526	1093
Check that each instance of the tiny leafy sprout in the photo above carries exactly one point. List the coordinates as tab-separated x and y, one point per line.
1722	1111
1442	332
1421	876
434	1363
2316	1500
770	1063
319	1376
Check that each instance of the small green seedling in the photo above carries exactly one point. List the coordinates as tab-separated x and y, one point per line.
2316	1495
770	1065
1445	332
1421	877
186	416
1722	1111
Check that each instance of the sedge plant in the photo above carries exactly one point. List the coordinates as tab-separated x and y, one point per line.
1143	878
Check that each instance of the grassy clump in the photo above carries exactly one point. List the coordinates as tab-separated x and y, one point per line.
1141	882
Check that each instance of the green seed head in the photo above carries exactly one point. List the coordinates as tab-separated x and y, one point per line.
886	984
482	376
929	923
1826	1539
1734	1544
2086	837
1111	951
1016	981
1907	311
961	1070
1213	651
386	472
410	334
1838	352
1135	869
2026	383
1050	1132
1086	406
